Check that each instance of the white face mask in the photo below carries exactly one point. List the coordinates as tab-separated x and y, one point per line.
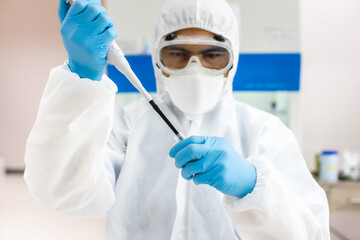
195	91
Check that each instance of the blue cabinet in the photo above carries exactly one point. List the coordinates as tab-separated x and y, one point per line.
256	72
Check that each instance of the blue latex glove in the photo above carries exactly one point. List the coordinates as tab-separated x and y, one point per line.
216	164
87	31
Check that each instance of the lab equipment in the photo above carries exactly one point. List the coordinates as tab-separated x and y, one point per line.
218	165
350	164
329	166
126	174
117	58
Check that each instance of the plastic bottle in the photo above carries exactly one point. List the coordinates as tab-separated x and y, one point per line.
329	166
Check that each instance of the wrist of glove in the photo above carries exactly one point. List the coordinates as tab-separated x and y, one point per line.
86	72
212	161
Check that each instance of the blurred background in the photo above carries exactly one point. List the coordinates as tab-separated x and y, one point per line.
299	60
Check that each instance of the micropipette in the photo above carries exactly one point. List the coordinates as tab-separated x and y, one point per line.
117	58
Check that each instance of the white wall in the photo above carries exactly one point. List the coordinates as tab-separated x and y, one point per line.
330	87
267	25
30	44
134	21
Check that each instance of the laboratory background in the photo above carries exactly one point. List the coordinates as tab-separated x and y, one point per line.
299	60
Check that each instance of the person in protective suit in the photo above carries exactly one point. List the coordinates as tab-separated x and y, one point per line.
239	174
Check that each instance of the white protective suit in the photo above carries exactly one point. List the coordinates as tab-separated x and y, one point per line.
82	159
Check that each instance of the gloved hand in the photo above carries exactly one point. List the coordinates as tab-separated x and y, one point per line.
87	31
212	161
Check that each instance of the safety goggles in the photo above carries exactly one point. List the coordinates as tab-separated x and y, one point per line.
175	55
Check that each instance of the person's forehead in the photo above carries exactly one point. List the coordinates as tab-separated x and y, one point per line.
194	32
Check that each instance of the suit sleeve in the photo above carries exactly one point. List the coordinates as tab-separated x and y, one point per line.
286	202
71	155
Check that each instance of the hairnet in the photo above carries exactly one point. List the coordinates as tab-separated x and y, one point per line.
215	16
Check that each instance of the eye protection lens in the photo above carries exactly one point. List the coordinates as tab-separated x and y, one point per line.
177	56
174	55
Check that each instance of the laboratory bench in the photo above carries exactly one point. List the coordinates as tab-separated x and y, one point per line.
344	205
343	196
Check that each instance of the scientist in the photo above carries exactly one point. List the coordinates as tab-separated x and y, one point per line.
240	174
